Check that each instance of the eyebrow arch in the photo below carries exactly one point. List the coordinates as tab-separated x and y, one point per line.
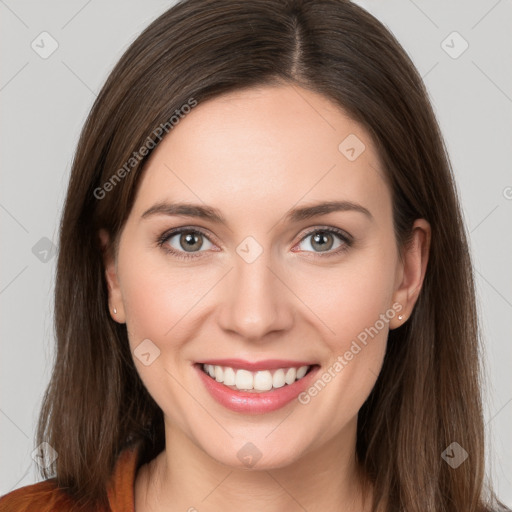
214	215
306	212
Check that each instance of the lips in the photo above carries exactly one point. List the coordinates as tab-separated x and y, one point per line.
255	401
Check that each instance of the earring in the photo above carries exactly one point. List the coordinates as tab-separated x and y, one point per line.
115	311
400	317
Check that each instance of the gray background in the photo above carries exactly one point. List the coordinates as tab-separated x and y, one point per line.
44	102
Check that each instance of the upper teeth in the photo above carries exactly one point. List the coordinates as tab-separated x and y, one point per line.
259	381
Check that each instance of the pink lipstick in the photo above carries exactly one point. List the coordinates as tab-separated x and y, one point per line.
256	402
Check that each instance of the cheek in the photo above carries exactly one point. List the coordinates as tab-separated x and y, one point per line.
157	297
354	305
350	297
157	301
356	353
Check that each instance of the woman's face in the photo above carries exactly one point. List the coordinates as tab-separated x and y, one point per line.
272	286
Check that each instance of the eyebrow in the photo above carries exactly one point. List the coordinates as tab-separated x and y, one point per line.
294	215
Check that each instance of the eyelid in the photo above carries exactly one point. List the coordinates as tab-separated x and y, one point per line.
338	231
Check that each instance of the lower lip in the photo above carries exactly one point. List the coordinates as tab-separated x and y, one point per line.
255	403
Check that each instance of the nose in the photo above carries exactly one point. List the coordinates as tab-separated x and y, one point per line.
255	300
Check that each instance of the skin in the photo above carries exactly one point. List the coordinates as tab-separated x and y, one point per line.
254	155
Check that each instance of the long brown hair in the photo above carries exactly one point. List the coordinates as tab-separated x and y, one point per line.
428	392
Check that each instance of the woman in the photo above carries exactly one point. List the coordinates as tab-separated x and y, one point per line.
264	295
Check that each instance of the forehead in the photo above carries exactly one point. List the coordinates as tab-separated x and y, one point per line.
259	150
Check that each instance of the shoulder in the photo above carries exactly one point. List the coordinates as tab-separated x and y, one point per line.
47	496
41	497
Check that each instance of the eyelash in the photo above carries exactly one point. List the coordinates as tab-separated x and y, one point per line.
162	239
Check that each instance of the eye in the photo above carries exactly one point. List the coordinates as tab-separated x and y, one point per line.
323	240
184	242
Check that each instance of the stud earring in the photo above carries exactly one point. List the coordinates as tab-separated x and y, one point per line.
115	311
400	317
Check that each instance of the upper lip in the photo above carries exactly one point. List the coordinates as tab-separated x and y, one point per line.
267	364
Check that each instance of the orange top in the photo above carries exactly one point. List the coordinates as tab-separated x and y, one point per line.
45	496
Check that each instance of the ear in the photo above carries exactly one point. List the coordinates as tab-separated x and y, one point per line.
115	298
411	272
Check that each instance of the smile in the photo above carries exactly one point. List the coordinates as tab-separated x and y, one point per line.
255	388
264	380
